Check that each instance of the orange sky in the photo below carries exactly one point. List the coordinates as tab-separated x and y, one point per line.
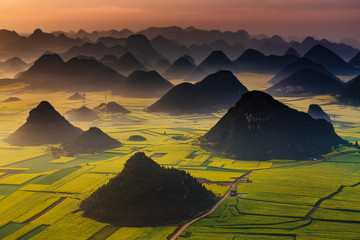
332	19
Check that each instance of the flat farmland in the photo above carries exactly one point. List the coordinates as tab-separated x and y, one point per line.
284	199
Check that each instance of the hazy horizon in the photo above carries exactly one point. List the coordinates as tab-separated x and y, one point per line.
287	19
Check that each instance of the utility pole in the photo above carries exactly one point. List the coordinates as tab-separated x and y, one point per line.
84	99
105	104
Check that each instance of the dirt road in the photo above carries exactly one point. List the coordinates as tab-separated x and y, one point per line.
179	231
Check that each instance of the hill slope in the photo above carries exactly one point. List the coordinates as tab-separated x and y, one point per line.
351	93
50	72
145	84
260	127
92	141
330	60
44	125
216	90
146	194
306	81
316	112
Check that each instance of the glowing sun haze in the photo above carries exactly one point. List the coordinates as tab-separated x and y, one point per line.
334	19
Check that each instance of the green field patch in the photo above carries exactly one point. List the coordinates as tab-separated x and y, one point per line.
10	228
44	162
34	232
328	230
104	233
352	158
348	199
206	163
6	190
247	206
56	176
337	151
158	155
277	197
192	155
339	215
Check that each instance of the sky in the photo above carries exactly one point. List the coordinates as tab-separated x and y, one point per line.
331	19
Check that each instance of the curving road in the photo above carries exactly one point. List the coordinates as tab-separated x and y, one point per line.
179	231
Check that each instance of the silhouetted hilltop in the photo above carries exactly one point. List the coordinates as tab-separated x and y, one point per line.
111	41
351	93
92	141
145	84
161	65
260	127
168	48
12	99
109	58
296	66
190	59
215	91
330	60
221	88
275	63
111	107
95	35
50	72
76	96
272	45
200	51
292	51
351	42
13	66
47	63
254	61
355	61
232	51
146	194
126	64
183	98
216	61
250	61
83	57
180	68
341	49
82	114
96	50
197	75
316	112
44	125
14	45
306	81
142	49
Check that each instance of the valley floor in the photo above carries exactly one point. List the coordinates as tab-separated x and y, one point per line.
285	199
